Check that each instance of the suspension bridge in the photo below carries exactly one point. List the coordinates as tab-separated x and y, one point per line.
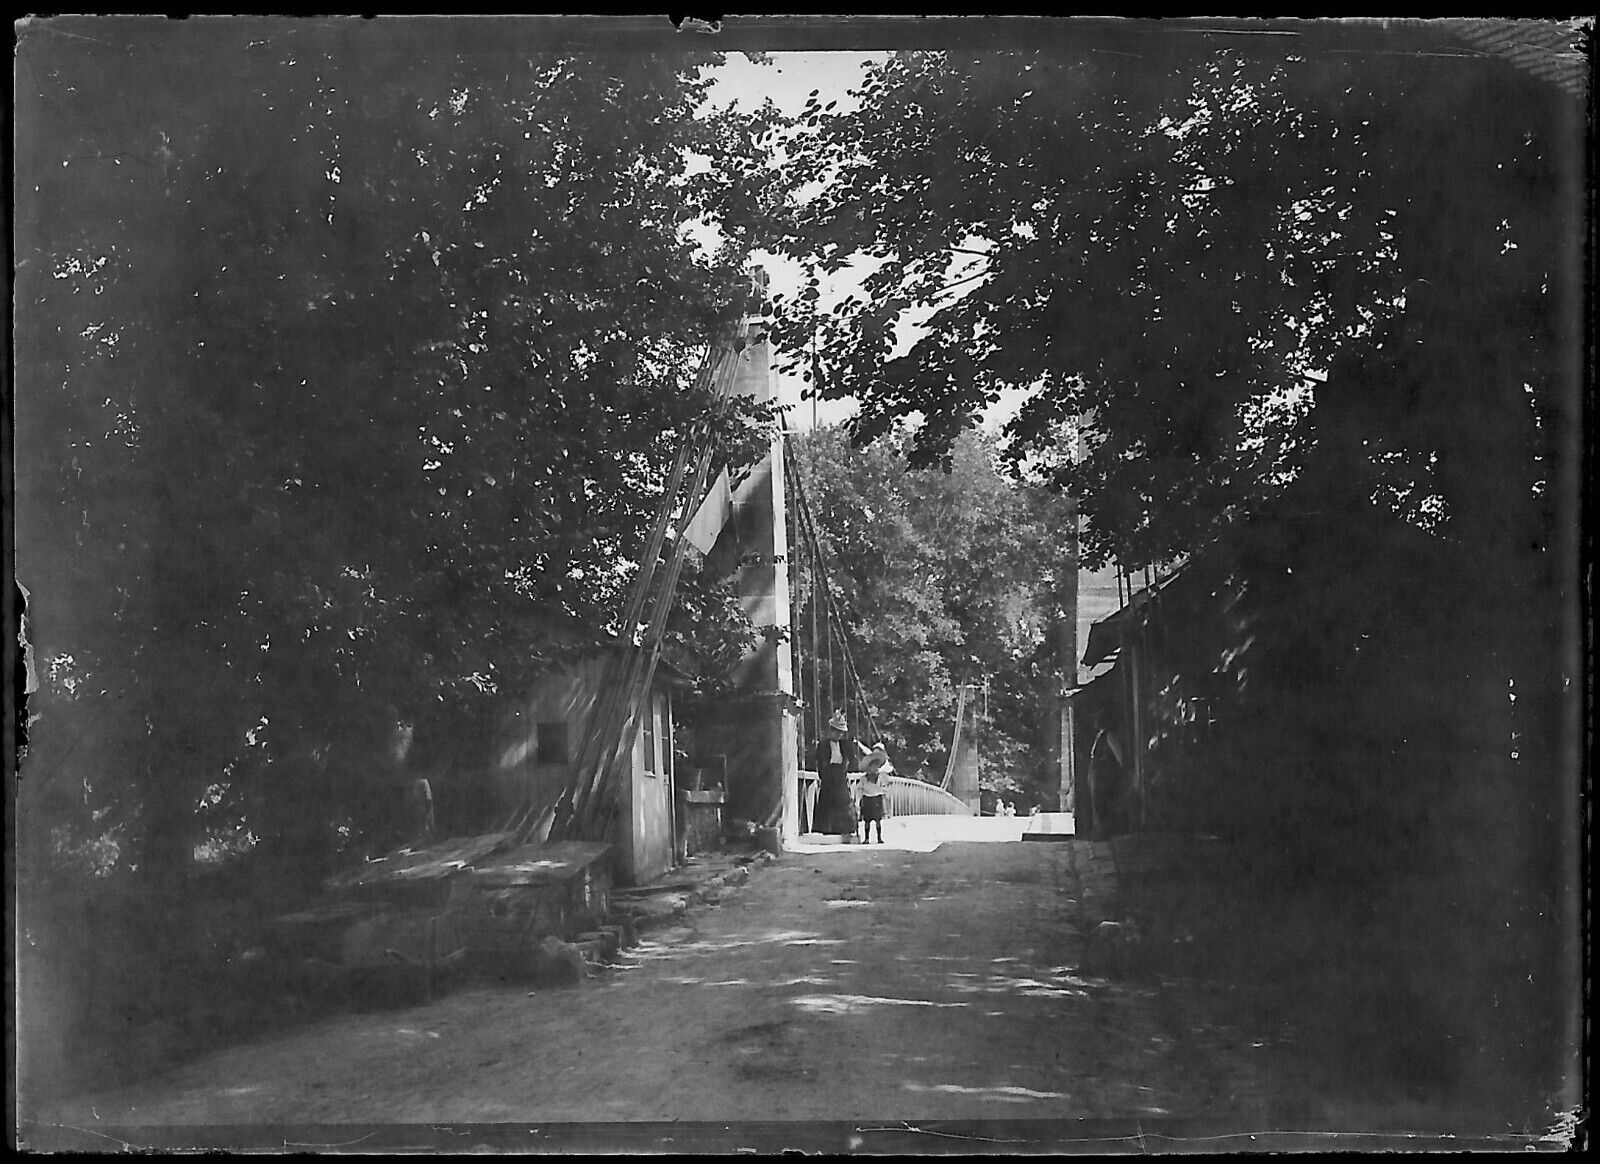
759	527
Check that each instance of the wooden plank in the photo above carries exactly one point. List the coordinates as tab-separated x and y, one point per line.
553	863
435	861
695	796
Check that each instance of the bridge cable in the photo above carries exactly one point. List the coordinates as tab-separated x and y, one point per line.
814	539
955	739
837	619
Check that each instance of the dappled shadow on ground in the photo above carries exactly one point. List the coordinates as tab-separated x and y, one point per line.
939	985
1002	976
949	979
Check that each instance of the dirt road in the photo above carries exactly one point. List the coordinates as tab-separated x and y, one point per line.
857	983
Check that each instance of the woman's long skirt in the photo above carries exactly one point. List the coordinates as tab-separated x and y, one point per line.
833	805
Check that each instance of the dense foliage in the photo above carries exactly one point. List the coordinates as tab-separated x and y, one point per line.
946	579
1342	281
331	381
1237	269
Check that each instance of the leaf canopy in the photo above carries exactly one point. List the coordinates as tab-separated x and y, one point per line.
1234	270
335	382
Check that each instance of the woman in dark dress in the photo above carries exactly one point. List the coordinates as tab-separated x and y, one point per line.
835	757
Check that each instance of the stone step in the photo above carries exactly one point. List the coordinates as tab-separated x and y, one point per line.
593	947
605	941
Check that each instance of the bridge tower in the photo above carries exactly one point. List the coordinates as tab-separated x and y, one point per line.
756	728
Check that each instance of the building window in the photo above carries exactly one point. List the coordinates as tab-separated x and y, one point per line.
651	765
657	732
552	737
666	735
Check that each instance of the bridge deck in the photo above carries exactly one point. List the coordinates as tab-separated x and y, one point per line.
920	834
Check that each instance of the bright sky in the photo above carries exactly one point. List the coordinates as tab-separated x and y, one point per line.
789	80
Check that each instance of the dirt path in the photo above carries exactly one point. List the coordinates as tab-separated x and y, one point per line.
855	983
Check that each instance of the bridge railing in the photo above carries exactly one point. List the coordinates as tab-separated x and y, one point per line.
907	797
911	797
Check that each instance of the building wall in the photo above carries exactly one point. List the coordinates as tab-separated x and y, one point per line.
648	808
644	837
565	697
755	732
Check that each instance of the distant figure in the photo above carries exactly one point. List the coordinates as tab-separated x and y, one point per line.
835	756
1034	811
1105	780
419	794
875	773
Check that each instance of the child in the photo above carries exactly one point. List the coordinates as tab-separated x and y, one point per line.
875	773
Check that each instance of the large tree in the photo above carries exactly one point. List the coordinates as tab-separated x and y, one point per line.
1238	268
341	351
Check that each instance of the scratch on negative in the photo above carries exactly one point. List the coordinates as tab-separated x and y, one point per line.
102	1135
906	1127
1564	1131
345	1144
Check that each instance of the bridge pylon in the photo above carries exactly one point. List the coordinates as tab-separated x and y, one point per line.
755	727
